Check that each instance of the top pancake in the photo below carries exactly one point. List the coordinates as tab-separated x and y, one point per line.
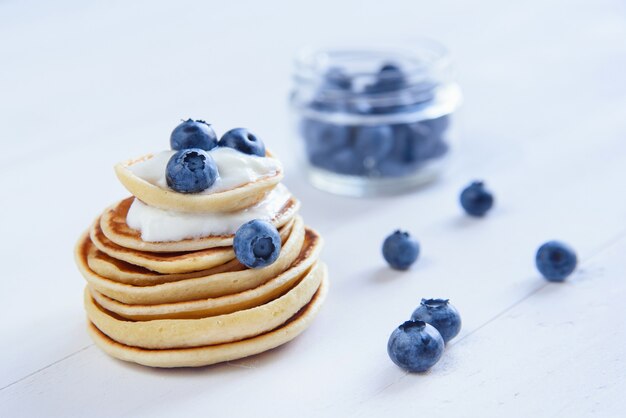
234	199
114	227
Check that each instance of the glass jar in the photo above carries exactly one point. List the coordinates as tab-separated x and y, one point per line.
374	121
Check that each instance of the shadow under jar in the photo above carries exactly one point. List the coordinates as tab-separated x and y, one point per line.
374	121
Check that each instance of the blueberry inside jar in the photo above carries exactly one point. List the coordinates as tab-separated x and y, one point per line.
374	121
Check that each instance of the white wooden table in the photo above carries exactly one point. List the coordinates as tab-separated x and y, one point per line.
84	85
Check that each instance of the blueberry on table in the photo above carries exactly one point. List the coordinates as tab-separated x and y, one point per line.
476	199
415	346
556	260
400	250
441	315
244	141
191	171
257	244
193	134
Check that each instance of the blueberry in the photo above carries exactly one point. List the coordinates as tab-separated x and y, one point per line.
257	244
400	250
437	126
415	346
343	161
244	141
323	138
191	171
441	315
555	260
193	134
373	143
389	78
338	79
476	200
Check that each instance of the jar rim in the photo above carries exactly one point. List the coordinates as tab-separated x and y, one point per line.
421	61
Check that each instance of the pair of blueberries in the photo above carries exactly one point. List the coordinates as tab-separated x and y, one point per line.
383	150
417	344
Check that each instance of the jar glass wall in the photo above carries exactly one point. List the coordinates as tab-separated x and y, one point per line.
374	121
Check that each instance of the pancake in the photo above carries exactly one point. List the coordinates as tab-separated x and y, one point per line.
114	227
204	356
200	287
183	333
227	201
181	262
267	291
123	272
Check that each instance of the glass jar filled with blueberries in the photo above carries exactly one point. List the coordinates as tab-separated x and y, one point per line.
374	121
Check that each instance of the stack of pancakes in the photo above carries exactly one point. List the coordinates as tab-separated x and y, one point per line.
190	302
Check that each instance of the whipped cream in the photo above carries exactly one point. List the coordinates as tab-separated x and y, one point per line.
235	169
165	225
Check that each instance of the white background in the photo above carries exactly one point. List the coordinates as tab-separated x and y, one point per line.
83	86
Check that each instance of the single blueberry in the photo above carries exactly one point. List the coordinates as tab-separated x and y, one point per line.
373	143
342	161
437	126
337	78
476	199
389	78
257	244
415	346
441	315
323	138
244	141
400	250
556	260
191	171
193	134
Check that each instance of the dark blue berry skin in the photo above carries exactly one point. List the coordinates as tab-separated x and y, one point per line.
441	315
257	244
476	200
336	78
390	78
244	141
400	250
323	139
343	161
415	346
191	171
373	142
556	260
193	134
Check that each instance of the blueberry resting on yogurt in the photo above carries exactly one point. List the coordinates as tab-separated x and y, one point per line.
556	260
193	134
257	244
400	250
244	141
191	171
441	315
476	199
415	346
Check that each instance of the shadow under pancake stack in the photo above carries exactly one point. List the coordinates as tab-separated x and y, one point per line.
190	302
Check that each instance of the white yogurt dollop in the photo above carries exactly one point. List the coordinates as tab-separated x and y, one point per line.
165	225
234	169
